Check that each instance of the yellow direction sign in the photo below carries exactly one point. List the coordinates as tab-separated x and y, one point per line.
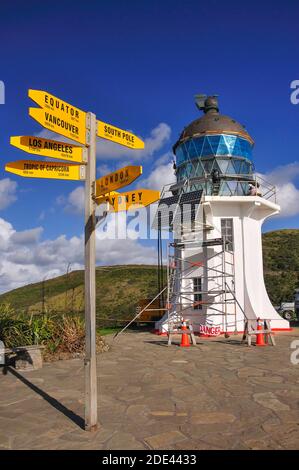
49	148
105	198
36	169
117	179
120	136
131	200
58	116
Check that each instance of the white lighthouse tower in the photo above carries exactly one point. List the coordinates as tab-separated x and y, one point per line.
218	205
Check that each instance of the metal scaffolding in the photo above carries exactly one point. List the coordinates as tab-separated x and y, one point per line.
215	292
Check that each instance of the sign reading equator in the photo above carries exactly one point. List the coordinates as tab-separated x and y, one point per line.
51	170
49	148
118	179
119	136
58	115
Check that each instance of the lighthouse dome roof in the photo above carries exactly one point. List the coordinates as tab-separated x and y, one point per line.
211	123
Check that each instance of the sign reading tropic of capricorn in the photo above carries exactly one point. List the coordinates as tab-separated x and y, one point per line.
52	170
82	127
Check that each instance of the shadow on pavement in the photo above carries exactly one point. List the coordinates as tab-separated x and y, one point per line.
52	401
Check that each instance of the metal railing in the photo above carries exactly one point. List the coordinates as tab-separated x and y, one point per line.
229	185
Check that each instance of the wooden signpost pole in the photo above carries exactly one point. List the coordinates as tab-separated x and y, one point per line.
91	419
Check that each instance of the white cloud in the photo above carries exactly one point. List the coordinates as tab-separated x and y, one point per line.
74	202
287	193
25	259
27	236
8	190
165	158
160	176
103	169
159	136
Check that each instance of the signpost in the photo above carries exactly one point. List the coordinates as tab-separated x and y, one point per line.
91	410
49	148
50	170
118	179
120	136
65	119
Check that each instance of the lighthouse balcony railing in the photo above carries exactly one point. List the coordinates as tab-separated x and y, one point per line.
227	185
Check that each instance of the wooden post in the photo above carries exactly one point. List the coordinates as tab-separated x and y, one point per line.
91	419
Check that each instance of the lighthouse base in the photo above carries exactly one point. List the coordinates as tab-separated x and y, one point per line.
216	287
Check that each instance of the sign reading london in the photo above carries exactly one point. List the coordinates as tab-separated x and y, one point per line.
49	148
117	179
52	170
120	136
58	116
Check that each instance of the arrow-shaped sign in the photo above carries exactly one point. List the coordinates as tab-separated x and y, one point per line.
118	179
58	115
120	136
51	170
130	200
49	148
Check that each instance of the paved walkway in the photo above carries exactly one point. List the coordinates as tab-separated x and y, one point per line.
217	395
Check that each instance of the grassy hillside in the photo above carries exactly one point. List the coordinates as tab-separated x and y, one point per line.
119	288
281	264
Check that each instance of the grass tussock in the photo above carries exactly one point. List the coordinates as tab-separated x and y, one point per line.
61	335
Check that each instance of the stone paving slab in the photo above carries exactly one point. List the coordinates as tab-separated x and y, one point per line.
217	395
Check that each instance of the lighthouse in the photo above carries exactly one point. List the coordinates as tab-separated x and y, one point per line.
215	263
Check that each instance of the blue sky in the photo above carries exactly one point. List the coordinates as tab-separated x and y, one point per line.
138	64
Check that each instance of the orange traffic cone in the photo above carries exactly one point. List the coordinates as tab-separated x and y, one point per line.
260	336
185	343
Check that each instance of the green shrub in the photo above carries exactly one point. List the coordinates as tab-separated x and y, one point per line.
58	333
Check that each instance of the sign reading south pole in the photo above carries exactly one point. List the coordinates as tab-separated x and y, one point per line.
58	116
117	179
120	136
49	148
51	170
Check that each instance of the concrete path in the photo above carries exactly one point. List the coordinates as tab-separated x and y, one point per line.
217	395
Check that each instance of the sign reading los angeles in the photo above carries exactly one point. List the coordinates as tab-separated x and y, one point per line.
118	179
130	200
58	116
49	148
120	136
52	170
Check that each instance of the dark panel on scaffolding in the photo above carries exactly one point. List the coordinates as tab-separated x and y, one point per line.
165	218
